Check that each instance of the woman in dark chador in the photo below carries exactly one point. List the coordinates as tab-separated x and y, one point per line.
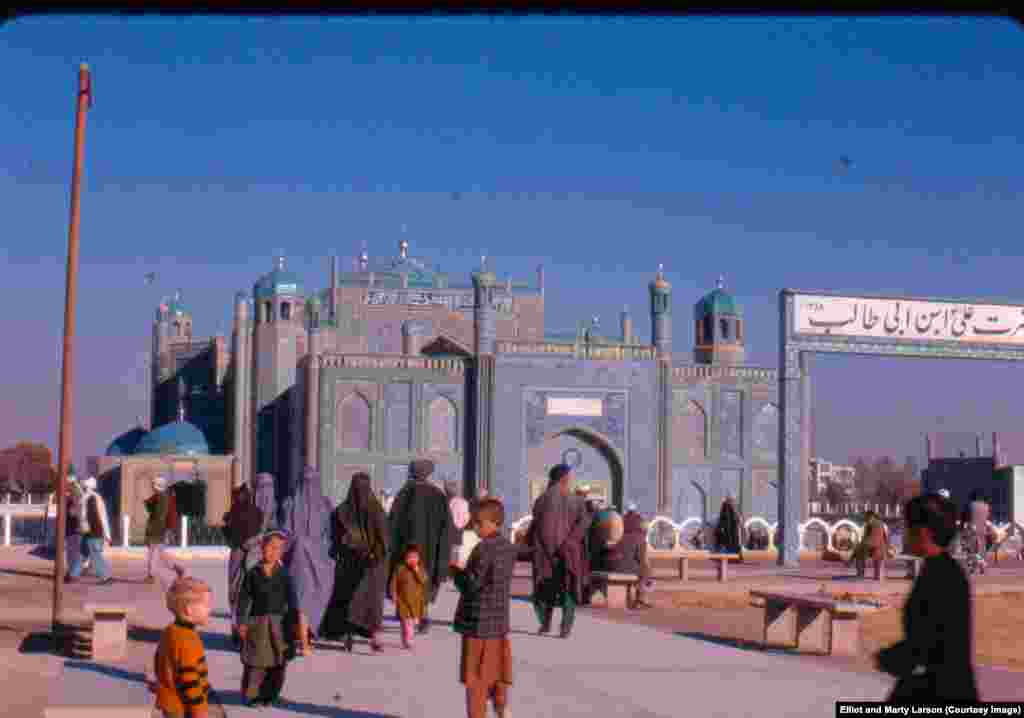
728	536
934	662
359	540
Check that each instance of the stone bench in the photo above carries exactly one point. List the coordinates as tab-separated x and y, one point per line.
813	623
109	630
619	589
100	712
685	556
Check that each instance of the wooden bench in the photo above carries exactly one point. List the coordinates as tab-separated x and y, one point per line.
684	557
813	623
619	589
109	630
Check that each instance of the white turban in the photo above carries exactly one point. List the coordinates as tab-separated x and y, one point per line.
159	483
89	484
944	493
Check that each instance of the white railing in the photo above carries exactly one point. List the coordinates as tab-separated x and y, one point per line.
676	530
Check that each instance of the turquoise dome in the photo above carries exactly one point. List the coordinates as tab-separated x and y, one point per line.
179	438
126	443
717	302
279	281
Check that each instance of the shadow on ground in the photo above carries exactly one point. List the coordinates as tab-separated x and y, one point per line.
738	644
48	575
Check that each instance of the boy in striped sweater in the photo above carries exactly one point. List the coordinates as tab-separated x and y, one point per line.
181	684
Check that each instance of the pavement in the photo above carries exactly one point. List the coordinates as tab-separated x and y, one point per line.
604	669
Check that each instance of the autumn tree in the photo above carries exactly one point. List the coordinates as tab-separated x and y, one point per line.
27	467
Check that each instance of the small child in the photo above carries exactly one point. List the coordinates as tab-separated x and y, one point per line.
266	604
409	588
482	616
181	684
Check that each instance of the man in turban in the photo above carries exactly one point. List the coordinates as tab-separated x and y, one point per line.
556	534
420	515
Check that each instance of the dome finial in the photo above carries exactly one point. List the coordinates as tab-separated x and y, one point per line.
279	261
721	281
177	295
661	269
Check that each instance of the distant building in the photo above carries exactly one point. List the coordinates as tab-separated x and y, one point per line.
970	470
823	473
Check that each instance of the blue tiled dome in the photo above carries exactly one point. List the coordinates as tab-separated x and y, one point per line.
717	302
179	438
126	443
278	281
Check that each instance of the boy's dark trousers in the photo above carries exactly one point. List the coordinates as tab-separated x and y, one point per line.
263	684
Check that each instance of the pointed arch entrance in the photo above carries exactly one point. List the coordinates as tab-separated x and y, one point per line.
600	465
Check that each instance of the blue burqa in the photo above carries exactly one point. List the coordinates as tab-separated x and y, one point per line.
265	498
306	516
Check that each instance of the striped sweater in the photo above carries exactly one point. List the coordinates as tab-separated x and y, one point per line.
181	674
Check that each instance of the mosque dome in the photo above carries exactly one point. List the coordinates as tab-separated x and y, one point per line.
717	302
278	281
126	443
179	438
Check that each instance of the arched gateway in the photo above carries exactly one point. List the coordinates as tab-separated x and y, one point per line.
822	322
595	462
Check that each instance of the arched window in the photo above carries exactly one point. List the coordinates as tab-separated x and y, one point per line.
268	311
724	326
700	332
689	431
286	311
709	330
443	429
177	329
739	330
354	423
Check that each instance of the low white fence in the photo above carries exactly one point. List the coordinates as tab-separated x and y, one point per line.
664	534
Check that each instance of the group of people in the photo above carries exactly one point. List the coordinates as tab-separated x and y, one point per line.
308	570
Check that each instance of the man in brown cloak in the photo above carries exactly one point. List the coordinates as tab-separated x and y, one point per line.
420	515
556	536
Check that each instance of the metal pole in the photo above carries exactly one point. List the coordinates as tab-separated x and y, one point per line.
84	101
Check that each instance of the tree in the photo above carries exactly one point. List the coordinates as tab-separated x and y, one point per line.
27	467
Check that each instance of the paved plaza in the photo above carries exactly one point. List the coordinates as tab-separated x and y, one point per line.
605	669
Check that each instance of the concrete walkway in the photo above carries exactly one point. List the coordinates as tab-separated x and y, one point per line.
604	669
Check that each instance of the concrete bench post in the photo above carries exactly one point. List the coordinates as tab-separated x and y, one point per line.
723	570
8	520
109	631
684	569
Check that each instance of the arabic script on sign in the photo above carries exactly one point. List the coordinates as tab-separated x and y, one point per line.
909	319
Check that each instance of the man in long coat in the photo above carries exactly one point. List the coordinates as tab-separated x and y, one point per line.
420	515
242	525
556	536
306	516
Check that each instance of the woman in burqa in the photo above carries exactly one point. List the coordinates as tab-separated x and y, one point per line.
727	534
306	516
360	544
265	498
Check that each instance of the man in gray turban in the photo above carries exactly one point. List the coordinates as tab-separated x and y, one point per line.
420	515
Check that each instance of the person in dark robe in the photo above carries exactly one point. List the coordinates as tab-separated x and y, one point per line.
359	542
629	555
73	528
242	524
556	537
933	664
420	515
728	532
265	498
306	517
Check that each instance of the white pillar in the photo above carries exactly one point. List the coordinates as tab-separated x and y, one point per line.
126	526
7	529
184	531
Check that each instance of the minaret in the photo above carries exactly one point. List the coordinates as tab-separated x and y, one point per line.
241	394
480	445
661	315
484	314
718	326
627	325
332	303
182	398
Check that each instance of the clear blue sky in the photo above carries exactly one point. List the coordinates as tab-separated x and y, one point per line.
598	146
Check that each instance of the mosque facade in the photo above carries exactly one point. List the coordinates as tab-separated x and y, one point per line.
393	361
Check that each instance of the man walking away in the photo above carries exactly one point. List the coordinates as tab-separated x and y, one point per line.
73	528
556	537
96	530
160	527
420	515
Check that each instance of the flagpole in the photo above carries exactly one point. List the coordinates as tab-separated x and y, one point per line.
67	375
